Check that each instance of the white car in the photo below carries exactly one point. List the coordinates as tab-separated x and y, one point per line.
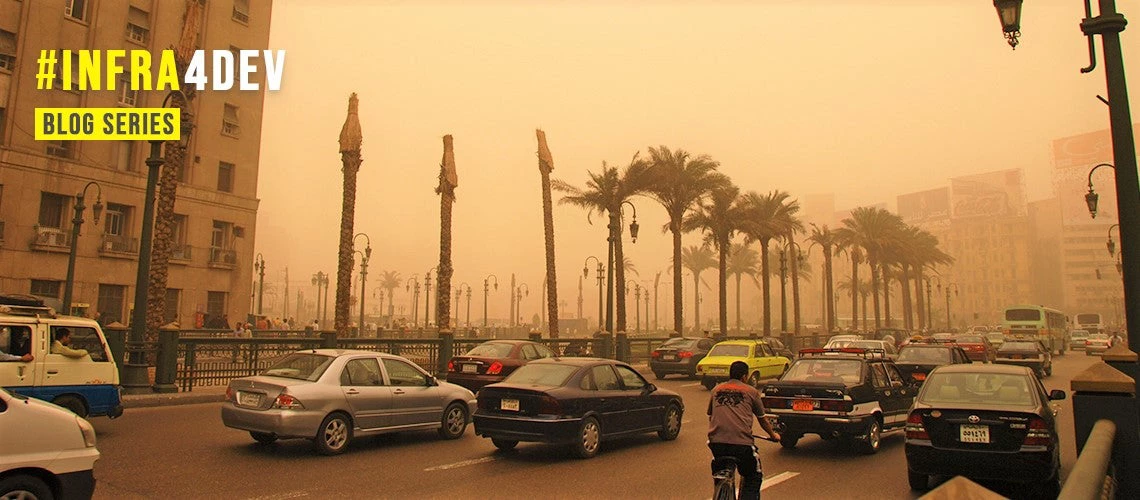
52	454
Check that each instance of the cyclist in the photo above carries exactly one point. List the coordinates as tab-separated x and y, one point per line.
732	407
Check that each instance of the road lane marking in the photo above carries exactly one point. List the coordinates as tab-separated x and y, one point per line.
283	496
694	384
777	479
465	463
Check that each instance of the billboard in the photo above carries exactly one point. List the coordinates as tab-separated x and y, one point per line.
1073	158
925	206
992	194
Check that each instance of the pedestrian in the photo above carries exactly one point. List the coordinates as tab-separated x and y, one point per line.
732	406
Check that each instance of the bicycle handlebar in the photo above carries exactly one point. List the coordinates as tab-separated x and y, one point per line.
765	438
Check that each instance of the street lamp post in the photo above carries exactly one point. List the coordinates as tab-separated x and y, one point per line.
259	266
783	291
427	297
486	289
636	302
948	287
75	224
601	281
363	277
518	300
459	295
929	317
135	378
1108	25
468	306
321	281
1111	245
413	286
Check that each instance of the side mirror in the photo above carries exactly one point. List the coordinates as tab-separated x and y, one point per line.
1056	395
432	381
649	389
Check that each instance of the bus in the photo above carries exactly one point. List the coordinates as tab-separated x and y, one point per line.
1090	322
1050	326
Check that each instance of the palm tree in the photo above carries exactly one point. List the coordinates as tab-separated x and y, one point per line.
857	289
448	181
545	165
771	216
719	218
350	139
697	259
917	250
679	180
827	241
389	281
742	260
606	192
872	229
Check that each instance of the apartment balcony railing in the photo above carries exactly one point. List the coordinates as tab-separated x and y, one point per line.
51	239
222	258
180	253
119	246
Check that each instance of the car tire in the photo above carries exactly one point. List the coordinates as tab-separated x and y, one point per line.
788	440
263	437
24	486
918	482
454	421
658	375
671	427
334	434
589	438
72	403
869	443
709	384
504	444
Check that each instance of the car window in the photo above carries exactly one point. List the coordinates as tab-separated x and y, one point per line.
630	379
924	355
848	371
764	350
879	376
529	352
16	339
994	388
492	350
300	366
361	372
403	374
893	373
546	374
544	352
84	338
604	378
734	350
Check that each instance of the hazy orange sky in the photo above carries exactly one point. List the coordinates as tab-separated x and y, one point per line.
864	98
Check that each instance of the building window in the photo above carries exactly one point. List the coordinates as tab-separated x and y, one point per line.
7	51
127	96
110	304
75	9
3	114
52	208
116	219
225	177
230	121
221	236
216	304
170	306
123	156
73	71
46	288
178	229
241	11
61	149
138	25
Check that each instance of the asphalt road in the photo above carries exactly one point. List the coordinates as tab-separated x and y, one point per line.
184	451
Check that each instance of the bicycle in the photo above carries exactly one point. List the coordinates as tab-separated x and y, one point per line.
724	478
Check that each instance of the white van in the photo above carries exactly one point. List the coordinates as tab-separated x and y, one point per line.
88	386
49	453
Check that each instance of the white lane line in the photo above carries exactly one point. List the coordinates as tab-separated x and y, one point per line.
777	479
464	463
694	384
283	496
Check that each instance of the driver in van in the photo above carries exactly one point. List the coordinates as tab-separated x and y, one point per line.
62	345
19	344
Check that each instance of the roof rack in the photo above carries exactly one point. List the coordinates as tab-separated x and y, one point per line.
24	305
863	352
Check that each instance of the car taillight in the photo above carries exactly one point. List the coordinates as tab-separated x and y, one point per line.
451	365
495	368
835	405
685	354
287	402
1038	434
547	405
230	395
914	428
1087	342
656	354
774	403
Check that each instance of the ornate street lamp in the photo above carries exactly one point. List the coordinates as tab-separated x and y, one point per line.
413	285
948	287
518	300
367	254
1111	244
486	288
427	296
601	281
1091	198
636	302
75	224
1009	12
259	266
321	281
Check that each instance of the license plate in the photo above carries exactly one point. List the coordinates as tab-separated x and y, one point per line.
715	371
249	399
669	357
1016	356
919	376
974	433
509	404
804	404
470	368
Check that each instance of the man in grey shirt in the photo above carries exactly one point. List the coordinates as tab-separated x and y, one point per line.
732	406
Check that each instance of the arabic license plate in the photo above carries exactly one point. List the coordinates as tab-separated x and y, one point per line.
509	404
669	357
974	433
249	399
804	404
470	368
919	376
715	371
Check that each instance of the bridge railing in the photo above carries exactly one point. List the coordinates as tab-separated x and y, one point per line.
1092	477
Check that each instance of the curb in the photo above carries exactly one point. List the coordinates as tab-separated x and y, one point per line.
176	399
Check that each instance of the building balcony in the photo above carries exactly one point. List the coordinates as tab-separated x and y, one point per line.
222	259
118	246
180	254
51	239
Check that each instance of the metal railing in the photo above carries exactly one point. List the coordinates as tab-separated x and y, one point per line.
50	237
1092	475
180	252
223	257
114	243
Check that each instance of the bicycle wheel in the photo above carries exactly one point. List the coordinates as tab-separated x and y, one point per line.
725	488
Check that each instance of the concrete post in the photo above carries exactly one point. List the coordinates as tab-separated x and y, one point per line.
1103	392
166	363
328	340
602	345
622	347
535	336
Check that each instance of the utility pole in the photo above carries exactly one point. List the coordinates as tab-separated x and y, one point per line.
285	314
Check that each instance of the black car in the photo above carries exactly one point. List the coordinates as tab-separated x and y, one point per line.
985	422
493	361
778	347
679	355
1030	353
851	393
916	360
575	401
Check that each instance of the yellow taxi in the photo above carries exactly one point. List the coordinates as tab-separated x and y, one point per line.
762	362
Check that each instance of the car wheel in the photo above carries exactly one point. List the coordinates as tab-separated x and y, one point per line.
709	384
918	482
754	380
658	375
24	486
334	434
454	421
72	403
504	444
263	437
672	425
589	438
788	440
1049	371
869	443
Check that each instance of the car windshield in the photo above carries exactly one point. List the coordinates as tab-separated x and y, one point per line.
734	350
865	344
1099	336
1080	334
848	371
548	374
837	344
491	350
924	355
1022	315
995	336
300	366
969	339
988	388
1017	345
679	343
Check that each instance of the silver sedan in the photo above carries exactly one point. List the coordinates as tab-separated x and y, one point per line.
331	396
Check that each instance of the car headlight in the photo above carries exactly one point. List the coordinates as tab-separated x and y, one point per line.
87	430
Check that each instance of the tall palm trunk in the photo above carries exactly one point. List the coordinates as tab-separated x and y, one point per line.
855	293
722	285
920	299
765	290
829	292
545	165
796	293
865	325
873	262
908	306
738	276
783	294
886	275
678	297
350	139
696	303
448	181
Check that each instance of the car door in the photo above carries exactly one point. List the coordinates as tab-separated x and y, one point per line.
363	387
770	366
60	370
610	400
644	413
413	400
881	385
16	339
902	394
